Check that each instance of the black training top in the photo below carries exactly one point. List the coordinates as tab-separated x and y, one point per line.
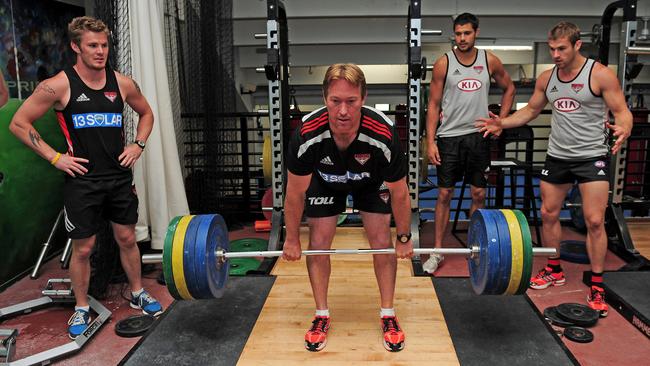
92	126
373	157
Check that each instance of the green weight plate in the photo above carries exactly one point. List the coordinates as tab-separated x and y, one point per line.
249	245
241	266
528	253
167	257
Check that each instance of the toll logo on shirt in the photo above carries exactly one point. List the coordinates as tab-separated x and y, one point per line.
566	104
90	120
469	85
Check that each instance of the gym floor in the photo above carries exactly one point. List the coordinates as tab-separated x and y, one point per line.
436	317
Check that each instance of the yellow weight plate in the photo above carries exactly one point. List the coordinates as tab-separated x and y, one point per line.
424	163
517	246
266	160
177	257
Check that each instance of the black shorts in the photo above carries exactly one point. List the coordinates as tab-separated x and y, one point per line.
322	201
560	171
463	156
87	202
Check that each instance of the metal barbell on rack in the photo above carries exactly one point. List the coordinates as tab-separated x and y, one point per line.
196	258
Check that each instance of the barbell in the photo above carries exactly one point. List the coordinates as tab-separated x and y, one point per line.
196	254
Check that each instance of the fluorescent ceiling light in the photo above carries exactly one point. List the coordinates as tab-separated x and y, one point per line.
495	47
382	107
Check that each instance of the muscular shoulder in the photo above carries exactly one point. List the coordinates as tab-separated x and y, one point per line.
543	79
54	90
126	84
377	125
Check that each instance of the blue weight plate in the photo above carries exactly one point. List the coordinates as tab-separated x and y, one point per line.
493	252
505	249
201	258
484	235
217	269
189	257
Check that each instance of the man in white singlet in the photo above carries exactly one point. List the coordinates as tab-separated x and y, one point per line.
460	85
581	92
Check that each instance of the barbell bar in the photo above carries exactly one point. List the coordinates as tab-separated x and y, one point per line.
470	252
196	254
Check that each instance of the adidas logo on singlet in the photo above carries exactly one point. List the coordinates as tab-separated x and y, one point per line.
456	72
553	89
327	161
83	98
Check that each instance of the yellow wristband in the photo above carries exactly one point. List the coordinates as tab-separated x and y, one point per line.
56	158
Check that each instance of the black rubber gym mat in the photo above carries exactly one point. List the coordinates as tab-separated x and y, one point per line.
629	293
205	332
497	330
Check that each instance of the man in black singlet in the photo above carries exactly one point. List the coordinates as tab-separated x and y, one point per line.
340	149
89	99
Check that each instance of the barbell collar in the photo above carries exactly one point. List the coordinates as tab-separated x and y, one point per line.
157	258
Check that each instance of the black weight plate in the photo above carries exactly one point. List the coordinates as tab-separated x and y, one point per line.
578	334
578	314
550	313
574	251
134	326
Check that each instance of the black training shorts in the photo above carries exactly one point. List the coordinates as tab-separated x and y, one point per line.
561	171
463	156
322	201
86	202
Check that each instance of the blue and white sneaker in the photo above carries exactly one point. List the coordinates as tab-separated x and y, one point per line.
146	303
78	323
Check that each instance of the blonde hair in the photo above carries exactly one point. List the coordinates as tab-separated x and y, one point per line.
80	25
349	72
565	29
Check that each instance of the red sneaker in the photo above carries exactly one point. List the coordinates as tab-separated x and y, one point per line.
546	278
596	300
393	334
316	336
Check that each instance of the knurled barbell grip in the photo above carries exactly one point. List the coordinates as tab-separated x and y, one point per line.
157	258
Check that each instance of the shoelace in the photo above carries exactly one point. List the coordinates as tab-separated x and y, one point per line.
318	324
77	318
390	325
597	296
145	298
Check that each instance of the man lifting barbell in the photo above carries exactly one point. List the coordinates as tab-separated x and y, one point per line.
580	91
346	147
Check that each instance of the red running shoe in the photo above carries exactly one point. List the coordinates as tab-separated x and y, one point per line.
393	334
316	336
546	278
596	300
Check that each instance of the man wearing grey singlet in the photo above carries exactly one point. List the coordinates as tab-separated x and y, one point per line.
581	91
460	85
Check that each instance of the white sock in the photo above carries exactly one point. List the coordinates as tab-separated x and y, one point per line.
325	312
137	293
84	308
386	312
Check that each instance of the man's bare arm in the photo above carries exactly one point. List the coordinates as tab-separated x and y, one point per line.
503	80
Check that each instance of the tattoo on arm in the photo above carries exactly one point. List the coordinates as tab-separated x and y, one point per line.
137	87
43	87
34	137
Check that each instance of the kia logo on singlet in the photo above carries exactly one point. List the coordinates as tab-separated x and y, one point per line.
469	85
566	104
